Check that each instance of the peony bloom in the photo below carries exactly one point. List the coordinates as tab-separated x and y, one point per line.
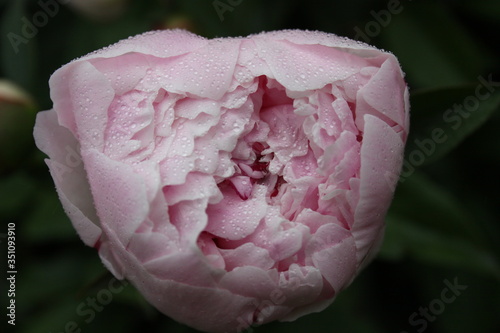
233	181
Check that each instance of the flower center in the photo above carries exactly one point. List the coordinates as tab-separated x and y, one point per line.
255	170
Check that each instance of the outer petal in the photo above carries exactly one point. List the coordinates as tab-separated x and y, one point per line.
321	38
120	194
81	96
314	66
70	178
384	94
205	308
125	72
250	281
186	266
161	43
381	157
333	251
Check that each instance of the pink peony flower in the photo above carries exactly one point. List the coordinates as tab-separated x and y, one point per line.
233	181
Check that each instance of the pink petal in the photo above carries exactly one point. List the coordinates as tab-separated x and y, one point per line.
384	94
124	72
221	309
302	288
205	72
320	38
242	185
333	251
120	195
83	107
66	168
148	246
234	218
247	254
197	186
161	43
314	65
381	159
175	169
314	220
188	266
190	219
250	281
110	260
211	251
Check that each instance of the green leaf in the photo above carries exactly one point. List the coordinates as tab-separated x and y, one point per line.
485	9
47	221
16	138
92	37
47	288
15	192
221	18
437	52
17	47
442	118
405	237
432	206
430	225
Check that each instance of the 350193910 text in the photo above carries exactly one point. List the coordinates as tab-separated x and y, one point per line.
11	273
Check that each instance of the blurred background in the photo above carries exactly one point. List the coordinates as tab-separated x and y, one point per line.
439	267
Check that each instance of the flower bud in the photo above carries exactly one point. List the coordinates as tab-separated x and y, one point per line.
100	10
16	122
